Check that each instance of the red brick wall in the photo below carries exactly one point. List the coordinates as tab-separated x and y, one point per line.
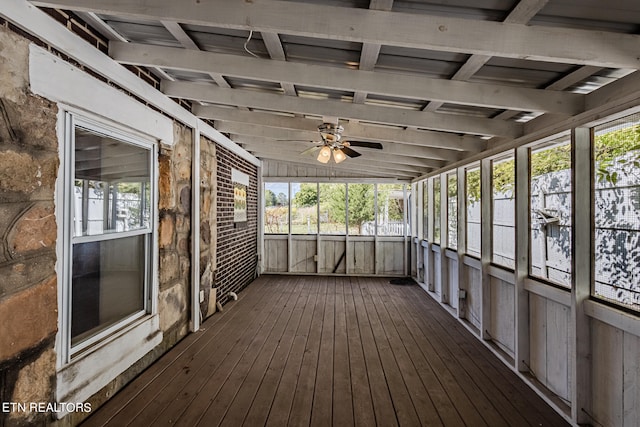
237	247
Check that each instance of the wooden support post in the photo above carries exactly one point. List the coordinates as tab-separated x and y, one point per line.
429	265
419	230
289	241
194	324
582	264
445	298
462	243
486	228
522	219
319	253
406	237
261	211
347	251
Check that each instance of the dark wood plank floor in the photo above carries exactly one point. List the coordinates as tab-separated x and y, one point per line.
314	351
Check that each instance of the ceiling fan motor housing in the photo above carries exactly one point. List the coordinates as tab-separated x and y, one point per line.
331	132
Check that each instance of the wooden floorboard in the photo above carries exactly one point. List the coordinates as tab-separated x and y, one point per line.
322	351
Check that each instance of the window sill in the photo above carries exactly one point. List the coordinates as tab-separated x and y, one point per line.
83	377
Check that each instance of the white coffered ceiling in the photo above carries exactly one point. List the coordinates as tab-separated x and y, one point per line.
433	81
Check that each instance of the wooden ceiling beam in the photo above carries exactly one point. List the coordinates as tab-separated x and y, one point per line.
356	131
327	107
411	87
419	31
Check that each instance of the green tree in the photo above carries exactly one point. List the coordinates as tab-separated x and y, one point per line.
391	200
609	149
282	199
306	196
270	198
361	200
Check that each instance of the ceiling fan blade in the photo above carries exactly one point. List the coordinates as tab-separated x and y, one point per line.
310	150
366	144
299	140
349	152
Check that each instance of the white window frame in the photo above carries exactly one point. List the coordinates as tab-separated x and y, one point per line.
91	364
72	122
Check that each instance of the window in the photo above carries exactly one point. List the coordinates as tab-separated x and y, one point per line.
333	209
425	210
309	208
110	188
503	188
361	209
473	227
452	211
436	210
616	157
304	208
276	208
390	219
550	204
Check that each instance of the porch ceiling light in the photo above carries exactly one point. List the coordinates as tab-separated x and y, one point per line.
324	155
338	155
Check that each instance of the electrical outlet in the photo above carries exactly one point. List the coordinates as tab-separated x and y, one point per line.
201	296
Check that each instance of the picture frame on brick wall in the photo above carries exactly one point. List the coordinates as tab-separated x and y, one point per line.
240	183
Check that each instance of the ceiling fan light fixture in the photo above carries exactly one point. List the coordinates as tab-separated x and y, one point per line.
324	155
338	155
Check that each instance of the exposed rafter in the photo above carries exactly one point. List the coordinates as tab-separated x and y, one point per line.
276	51
370	51
353	130
357	164
411	57
296	135
418	31
317	107
409	87
367	154
521	14
350	165
178	32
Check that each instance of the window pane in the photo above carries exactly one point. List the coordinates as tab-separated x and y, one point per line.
473	211
111	184
425	210
304	208
436	210
452	211
390	220
107	284
361	209
551	212
503	180
333	209
276	210
617	211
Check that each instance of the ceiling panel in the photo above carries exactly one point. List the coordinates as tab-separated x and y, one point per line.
482	75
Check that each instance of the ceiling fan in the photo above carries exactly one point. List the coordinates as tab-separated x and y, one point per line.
332	144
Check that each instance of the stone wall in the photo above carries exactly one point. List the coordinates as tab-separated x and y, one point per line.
237	248
175	235
28	292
